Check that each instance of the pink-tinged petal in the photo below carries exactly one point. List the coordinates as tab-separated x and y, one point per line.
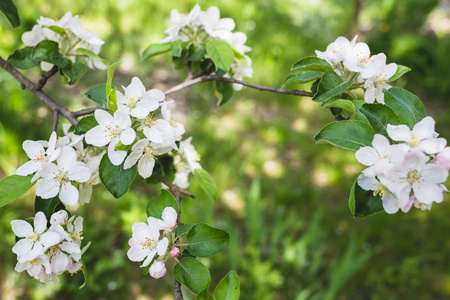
397	153
28	168
137	253
399	132
47	188
74	267
21	228
68	194
169	216
443	158
415	160
149	258
382	166
67	159
50	238
366	156
98	136
145	166
116	156
157	270
40	222
408	206
175	252
427	193
162	246
433	146
153	134
133	242
424	129
128	136
22	247
122	119
79	172
434	173
402	191
103	117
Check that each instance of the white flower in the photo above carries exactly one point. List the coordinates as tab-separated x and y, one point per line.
34	242
111	130
214	25
241	70
377	73
157	269
36	152
137	102
145	243
190	154
357	57
57	178
337	50
422	136
169	219
159	132
237	41
93	164
180	20
59	218
35	266
167	115
33	37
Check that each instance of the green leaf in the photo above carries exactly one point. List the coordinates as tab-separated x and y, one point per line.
98	95
165	167
192	274
359	115
207	183
400	71
204	295
14	186
379	116
48	51
228	288
156	49
56	29
350	135
92	55
84	270
196	54
312	64
184	229
205	241
74	71
225	91
298	78
85	124
21	59
116	179
8	8
48	206
331	85
405	105
363	203
221	54
156	206
176	48
339	103
110	91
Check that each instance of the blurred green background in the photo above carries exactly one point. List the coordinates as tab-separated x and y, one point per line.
282	198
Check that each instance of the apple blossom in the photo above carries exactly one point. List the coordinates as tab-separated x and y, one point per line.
337	50
157	269
144	155
169	219
214	25
443	158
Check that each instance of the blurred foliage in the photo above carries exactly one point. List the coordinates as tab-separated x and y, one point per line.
282	198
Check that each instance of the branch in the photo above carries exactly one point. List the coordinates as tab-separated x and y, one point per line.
43	79
40	94
176	191
86	111
55	121
195	81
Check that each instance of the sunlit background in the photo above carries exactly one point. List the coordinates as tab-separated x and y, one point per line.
282	198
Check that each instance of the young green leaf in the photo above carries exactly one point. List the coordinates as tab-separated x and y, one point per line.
331	85
98	95
74	71
298	78
221	54
48	51
184	229
116	179
92	55
359	115
48	206
204	295
225	91
405	105
155	207
192	274
176	48
156	49
228	288
205	241
14	186
85	124
207	183
110	91
21	59
8	8
312	64
379	116
84	270
401	70
339	103
363	203
350	135
196	53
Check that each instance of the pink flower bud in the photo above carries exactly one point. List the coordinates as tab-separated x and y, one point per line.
133	242
157	270
175	252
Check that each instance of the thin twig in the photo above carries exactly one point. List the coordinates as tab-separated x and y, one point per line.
173	188
195	81
43	79
187	62
86	111
55	120
203	73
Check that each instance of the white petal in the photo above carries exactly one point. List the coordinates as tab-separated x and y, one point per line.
40	222
434	173
128	136
22	247
132	159
366	156
169	216
137	253
145	166
428	192
67	158
79	172
28	168
399	133
149	258
98	136
162	246
153	134
21	228
103	117
122	119
49	239
425	128
68	194
433	146
47	188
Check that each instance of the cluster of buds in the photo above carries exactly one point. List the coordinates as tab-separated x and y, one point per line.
150	242
136	127
45	252
353	61
200	27
411	171
71	36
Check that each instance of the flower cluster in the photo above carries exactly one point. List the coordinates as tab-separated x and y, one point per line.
353	61
136	127
61	162
408	172
186	161
149	245
200	27
45	252
70	35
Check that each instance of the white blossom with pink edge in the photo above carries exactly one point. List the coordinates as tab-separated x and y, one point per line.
157	269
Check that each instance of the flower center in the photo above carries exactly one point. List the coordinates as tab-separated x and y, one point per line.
62	177
413	176
147	243
413	140
149	153
381	190
40	156
114	130
150	120
34	262
132	102
34	237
